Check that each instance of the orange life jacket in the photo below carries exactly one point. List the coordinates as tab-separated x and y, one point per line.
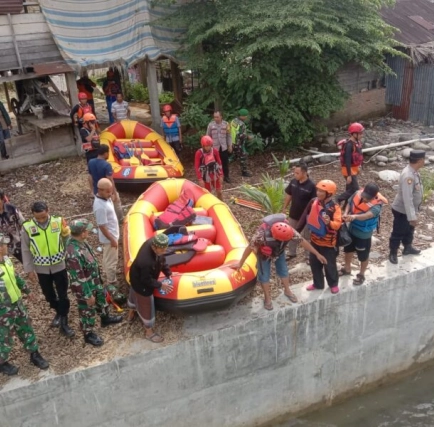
360	207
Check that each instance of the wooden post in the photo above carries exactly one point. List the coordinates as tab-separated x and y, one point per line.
8	98
176	81
71	84
151	75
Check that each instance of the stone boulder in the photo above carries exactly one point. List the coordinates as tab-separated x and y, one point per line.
383	159
389	175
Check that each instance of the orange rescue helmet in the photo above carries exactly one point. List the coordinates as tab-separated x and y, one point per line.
327	185
82	95
282	231
88	117
167	107
355	128
206	141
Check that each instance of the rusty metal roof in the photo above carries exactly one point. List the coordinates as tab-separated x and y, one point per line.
11	6
413	18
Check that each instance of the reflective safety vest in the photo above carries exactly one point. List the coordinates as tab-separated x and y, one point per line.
8	283
46	245
170	127
238	129
359	207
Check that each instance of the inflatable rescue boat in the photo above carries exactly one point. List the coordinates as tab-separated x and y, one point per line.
139	155
200	254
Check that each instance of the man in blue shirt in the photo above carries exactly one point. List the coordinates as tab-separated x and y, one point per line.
100	168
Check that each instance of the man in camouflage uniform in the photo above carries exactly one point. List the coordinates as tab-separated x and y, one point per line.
239	137
86	283
13	314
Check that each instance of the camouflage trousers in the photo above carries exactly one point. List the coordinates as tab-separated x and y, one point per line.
15	319
88	314
240	154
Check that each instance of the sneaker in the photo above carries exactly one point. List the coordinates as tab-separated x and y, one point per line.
334	289
312	288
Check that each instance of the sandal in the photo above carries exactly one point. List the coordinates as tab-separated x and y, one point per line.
269	306
359	280
292	297
343	272
155	338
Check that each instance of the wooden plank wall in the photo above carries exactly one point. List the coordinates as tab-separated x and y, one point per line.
35	42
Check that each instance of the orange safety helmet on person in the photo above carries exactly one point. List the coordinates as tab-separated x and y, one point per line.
327	185
88	117
206	141
166	108
82	95
355	128
282	231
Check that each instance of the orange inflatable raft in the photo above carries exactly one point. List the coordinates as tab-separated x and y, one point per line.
206	281
139	155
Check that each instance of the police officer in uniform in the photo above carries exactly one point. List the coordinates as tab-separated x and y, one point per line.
405	207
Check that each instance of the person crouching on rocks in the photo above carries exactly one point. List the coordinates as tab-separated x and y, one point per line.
362	215
208	166
269	243
13	314
144	273
324	218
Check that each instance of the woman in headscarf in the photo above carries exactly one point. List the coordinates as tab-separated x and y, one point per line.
144	273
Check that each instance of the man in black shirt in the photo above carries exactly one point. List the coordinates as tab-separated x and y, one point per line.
300	191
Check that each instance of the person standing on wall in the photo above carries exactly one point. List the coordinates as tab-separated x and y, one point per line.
111	88
87	86
43	241
362	214
220	132
300	191
172	129
5	130
13	315
269	243
239	138
351	158
405	207
86	282
89	137
120	109
99	168
324	219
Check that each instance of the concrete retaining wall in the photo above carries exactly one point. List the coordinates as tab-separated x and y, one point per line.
282	361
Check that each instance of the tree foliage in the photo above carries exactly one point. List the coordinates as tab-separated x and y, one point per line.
279	58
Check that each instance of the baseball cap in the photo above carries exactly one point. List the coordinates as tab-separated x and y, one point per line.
370	191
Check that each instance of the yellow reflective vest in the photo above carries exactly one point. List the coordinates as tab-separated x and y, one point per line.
46	245
8	282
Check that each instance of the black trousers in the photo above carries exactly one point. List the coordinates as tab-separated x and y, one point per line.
330	269
350	189
402	231
55	289
176	145
224	156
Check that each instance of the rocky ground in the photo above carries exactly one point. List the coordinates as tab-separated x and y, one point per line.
63	184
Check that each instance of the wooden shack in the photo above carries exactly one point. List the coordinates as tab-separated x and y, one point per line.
28	59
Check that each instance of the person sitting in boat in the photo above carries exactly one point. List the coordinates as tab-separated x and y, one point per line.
269	243
208	166
144	273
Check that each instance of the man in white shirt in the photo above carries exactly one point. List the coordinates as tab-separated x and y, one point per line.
120	109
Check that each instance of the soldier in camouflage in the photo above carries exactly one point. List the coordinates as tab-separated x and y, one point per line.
13	314
239	137
86	283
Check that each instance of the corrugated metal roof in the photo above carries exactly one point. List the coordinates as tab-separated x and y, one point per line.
411	32
10	6
422	97
394	83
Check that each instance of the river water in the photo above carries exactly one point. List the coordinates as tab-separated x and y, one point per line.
407	403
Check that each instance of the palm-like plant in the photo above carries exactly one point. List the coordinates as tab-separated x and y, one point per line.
283	165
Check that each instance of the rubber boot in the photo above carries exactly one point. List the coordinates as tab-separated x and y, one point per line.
56	321
110	320
38	360
93	339
393	257
409	250
65	328
8	369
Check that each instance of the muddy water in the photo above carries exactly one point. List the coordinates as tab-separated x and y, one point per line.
407	403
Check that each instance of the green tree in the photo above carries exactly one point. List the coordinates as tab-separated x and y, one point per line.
279	58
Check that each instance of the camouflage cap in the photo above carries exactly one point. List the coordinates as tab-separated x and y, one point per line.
77	226
160	241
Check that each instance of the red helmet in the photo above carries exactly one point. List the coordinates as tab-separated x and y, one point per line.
327	186
82	95
206	141
88	117
282	231
355	128
167	107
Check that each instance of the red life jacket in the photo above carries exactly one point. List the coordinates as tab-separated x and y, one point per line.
273	248
83	109
357	155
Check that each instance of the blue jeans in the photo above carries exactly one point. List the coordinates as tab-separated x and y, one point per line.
264	268
4	134
109	101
